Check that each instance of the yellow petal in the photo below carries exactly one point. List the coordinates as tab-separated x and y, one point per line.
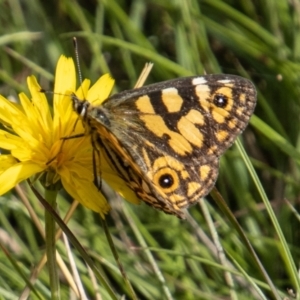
10	141
17	173
82	91
40	112
75	169
9	111
100	90
24	151
65	84
65	77
6	161
87	194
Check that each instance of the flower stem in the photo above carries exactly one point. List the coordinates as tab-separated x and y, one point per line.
50	196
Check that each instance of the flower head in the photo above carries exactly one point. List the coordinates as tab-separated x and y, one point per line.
35	139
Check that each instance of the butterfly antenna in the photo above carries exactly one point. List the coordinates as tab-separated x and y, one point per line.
78	69
77	59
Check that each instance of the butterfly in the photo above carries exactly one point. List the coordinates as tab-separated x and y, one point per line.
165	140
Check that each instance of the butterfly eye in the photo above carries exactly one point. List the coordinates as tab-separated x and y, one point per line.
79	106
220	100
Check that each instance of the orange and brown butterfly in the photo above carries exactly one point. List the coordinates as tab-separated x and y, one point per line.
164	140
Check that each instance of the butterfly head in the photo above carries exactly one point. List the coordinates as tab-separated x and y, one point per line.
80	106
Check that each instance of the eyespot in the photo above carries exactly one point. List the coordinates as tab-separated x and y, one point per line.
166	179
220	100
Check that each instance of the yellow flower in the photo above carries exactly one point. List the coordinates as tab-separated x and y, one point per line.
35	142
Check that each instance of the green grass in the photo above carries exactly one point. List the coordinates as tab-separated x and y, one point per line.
208	256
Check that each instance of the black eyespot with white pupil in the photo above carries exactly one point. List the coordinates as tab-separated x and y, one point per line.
166	181
220	100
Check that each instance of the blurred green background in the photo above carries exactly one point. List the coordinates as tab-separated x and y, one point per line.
259	40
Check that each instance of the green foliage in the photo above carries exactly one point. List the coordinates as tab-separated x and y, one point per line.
163	257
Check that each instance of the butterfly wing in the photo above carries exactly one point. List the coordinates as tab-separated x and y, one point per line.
170	135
